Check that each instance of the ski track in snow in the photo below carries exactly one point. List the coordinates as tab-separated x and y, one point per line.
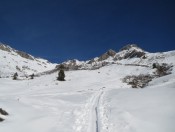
92	117
97	112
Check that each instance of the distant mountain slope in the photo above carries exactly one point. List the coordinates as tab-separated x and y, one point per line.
13	60
130	54
17	61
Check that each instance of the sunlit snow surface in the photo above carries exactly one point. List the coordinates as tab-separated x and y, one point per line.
89	101
11	62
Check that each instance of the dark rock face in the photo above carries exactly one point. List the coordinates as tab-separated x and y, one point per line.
24	55
129	46
72	65
130	53
91	61
107	55
111	52
133	54
103	57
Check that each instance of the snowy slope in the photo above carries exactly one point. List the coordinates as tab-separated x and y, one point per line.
89	101
17	61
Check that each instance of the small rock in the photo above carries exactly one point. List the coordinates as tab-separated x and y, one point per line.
1	119
3	112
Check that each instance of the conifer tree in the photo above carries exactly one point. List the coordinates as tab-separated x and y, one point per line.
32	76
61	75
15	76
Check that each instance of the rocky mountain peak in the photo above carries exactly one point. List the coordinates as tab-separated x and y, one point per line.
109	57
111	52
130	46
106	55
130	51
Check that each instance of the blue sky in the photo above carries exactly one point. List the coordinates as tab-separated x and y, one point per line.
59	30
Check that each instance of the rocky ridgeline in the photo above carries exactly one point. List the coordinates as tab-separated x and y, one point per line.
110	57
24	64
131	55
21	53
24	55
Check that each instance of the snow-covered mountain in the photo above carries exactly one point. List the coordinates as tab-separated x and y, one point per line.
89	100
24	64
130	54
13	60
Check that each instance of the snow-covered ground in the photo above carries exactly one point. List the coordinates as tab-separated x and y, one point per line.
89	101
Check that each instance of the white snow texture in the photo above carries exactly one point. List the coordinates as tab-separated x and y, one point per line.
89	100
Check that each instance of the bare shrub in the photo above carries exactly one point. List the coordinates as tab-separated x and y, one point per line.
162	69
139	81
32	76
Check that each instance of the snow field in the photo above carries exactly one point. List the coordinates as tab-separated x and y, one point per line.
89	101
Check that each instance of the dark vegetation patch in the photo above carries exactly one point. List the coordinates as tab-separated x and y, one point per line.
141	81
3	112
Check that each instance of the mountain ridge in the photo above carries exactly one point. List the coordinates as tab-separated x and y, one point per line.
129	54
13	60
26	64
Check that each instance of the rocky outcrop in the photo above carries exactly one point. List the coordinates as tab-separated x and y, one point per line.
70	65
130	51
106	55
24	55
21	53
128	47
4	47
91	61
110	57
133	54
